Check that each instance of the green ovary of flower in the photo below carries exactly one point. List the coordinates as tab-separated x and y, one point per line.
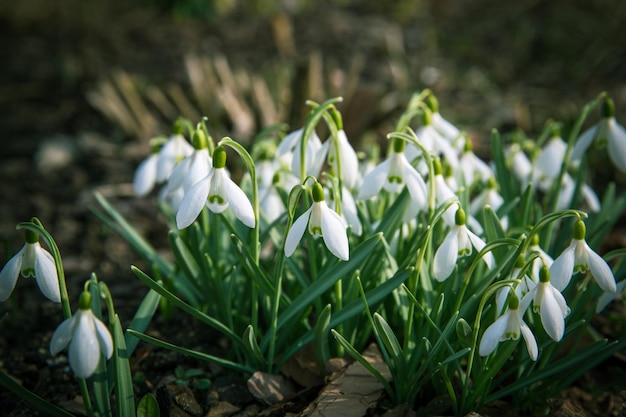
215	198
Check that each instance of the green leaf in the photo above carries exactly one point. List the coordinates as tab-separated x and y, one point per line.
161	290
251	346
148	407
193	353
320	341
325	281
142	318
373	297
124	395
361	359
387	336
30	397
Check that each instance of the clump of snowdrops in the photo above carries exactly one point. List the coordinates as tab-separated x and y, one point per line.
445	260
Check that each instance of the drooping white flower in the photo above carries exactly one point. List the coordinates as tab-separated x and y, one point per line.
172	152
31	261
322	221
472	168
543	258
146	176
272	178
218	192
289	150
393	174
458	242
548	163
432	140
349	161
550	304
509	326
579	257
443	126
519	164
590	198
606	131
87	336
188	172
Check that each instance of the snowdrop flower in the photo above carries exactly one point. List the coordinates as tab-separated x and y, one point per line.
589	196
172	152
608	130
433	142
542	258
548	163
607	297
444	127
349	160
87	337
289	151
31	261
218	192
458	242
579	257
550	304
489	197
193	167
472	168
509	326
146	174
321	221
393	174
519	164
270	201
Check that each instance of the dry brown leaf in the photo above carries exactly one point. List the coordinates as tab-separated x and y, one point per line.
353	392
270	388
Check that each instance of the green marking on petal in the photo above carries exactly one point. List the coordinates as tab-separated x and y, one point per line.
216	199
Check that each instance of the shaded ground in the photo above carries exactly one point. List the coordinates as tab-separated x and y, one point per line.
491	64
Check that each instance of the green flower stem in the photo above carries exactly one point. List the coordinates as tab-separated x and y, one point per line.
36	226
316	113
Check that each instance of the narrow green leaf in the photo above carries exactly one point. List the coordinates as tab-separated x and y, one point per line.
148	407
251	345
193	353
320	341
124	395
30	397
325	281
361	359
387	336
161	290
142	318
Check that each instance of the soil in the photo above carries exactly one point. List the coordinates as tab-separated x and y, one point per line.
85	85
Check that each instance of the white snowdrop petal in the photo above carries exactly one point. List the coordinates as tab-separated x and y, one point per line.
9	274
551	315
617	144
239	203
105	341
531	342
583	142
446	256
562	268
296	232
46	275
145	176
62	335
192	203
334	234
600	270
414	183
607	297
84	351
373	182
492	335
349	161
